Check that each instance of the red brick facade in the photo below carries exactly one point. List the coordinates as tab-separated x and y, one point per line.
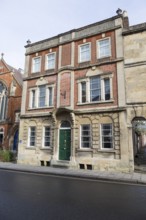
66	55
65	89
11	79
105	64
76	87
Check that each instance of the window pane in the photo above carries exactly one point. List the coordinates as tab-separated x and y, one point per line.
32	136
33	98
36	64
51	61
104	48
85	53
107	88
107	136
47	136
85	139
107	145
83	89
95	89
42	96
3	101
65	124
86	144
86	132
85	127
50	96
85	136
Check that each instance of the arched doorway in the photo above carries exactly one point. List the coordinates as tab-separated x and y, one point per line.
65	141
139	140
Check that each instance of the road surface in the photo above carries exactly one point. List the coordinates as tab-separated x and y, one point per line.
26	196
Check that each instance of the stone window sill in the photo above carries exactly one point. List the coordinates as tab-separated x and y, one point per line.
30	148
45	148
93	103
49	107
85	150
107	150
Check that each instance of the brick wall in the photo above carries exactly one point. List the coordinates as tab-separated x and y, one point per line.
79	72
65	89
82	74
66	55
13	104
52	79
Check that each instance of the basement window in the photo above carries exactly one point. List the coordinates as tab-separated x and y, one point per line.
82	166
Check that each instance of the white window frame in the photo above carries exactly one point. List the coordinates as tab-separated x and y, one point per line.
46	126
90	136
47	67
31	98
102	87
83	90
3	102
29	137
80	60
47	94
34	70
101	135
41	97
95	89
80	90
99	55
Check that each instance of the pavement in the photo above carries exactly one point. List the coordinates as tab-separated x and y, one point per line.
118	177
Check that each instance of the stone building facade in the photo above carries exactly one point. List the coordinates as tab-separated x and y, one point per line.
10	105
135	84
73	111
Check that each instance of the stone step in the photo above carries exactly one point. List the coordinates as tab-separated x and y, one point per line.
140	168
140	161
60	164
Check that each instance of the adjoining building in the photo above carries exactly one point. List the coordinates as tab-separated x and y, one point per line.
135	82
10	105
73	111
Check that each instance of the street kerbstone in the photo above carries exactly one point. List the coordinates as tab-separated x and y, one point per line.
136	178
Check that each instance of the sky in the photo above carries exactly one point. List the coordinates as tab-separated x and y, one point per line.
37	20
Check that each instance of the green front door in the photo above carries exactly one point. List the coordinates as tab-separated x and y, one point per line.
64	144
